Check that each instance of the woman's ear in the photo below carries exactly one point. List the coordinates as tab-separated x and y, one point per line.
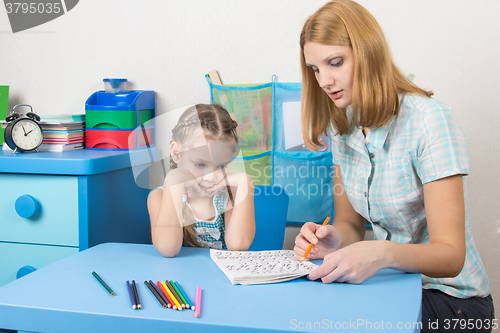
175	152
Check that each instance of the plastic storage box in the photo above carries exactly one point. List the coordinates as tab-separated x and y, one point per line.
122	120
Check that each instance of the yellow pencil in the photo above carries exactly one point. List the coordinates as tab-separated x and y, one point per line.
179	307
311	245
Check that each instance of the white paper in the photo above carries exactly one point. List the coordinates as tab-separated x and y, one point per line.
292	125
257	267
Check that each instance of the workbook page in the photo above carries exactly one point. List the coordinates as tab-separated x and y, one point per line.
257	267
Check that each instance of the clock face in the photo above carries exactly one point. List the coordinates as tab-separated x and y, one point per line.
26	134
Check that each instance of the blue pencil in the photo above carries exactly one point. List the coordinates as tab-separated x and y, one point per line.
136	295
131	294
184	295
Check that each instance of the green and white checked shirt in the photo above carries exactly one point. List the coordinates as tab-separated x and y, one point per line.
383	177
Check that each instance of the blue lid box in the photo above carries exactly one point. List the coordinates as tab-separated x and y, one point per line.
110	114
123	100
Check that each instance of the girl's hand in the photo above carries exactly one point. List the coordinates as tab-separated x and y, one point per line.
233	179
325	238
184	177
352	264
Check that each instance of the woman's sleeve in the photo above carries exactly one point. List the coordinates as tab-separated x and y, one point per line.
442	149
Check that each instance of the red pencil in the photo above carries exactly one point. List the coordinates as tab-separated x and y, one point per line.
166	295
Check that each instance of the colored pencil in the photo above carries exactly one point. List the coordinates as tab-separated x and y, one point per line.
136	295
160	293
131	294
179	307
164	291
311	244
186	298
177	297
198	302
181	296
98	278
158	298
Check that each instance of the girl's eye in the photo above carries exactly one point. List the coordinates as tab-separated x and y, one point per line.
222	166
336	62
199	165
314	69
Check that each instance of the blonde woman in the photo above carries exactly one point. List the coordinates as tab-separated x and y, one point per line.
400	163
200	203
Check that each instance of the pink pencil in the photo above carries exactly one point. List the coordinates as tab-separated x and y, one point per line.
198	302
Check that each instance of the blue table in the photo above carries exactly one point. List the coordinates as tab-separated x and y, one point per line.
64	297
69	201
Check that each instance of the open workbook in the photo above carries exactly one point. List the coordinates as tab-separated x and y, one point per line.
258	267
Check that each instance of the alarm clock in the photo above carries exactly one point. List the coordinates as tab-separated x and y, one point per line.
23	133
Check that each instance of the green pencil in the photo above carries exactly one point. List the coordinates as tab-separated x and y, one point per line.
111	292
180	294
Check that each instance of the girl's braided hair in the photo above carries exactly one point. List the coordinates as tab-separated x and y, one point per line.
214	120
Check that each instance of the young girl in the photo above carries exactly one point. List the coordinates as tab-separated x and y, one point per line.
200	203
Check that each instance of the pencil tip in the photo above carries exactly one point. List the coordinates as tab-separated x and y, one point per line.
113	294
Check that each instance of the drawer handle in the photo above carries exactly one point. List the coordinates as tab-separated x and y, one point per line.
27	206
25	270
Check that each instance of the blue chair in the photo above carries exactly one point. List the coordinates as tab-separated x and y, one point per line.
271	208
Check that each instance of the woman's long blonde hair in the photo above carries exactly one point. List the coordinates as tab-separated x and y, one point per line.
217	125
376	83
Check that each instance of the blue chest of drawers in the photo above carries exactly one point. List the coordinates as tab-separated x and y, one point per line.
54	204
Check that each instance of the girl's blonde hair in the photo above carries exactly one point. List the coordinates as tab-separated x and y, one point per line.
217	125
376	83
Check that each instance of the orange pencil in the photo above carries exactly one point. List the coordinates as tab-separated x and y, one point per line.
311	245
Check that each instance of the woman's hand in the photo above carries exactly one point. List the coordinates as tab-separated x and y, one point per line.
352	264
326	239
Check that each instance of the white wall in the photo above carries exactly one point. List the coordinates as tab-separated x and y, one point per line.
168	46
